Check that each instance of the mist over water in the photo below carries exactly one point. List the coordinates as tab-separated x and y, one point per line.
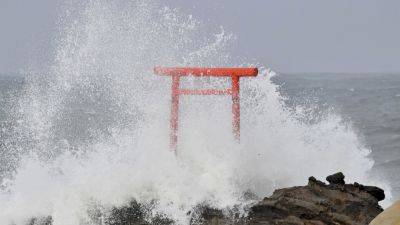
93	131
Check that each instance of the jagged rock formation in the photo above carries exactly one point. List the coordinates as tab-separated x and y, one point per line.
316	203
319	204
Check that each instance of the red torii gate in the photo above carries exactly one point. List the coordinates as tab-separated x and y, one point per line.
177	72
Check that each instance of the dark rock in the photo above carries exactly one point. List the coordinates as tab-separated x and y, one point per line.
317	203
41	221
337	178
314	181
378	193
135	213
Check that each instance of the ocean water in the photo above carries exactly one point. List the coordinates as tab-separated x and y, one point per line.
91	131
369	102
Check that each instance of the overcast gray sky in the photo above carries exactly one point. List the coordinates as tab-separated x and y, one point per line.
286	35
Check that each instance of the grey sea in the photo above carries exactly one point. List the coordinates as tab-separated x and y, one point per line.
369	102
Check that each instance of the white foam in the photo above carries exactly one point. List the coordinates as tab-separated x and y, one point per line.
96	132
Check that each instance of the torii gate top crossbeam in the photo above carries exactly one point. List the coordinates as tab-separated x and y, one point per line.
206	72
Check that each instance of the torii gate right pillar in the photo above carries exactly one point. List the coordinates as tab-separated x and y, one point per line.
236	107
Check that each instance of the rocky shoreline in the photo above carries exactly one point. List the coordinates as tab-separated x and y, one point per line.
317	203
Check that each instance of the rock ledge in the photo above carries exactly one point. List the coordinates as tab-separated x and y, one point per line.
317	203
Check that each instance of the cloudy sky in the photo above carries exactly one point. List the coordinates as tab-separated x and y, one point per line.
287	35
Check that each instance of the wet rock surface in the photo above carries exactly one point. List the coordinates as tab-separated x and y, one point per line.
320	204
317	203
337	178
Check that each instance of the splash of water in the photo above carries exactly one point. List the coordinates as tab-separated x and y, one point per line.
93	130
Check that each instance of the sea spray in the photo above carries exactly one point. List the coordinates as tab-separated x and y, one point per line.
94	130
